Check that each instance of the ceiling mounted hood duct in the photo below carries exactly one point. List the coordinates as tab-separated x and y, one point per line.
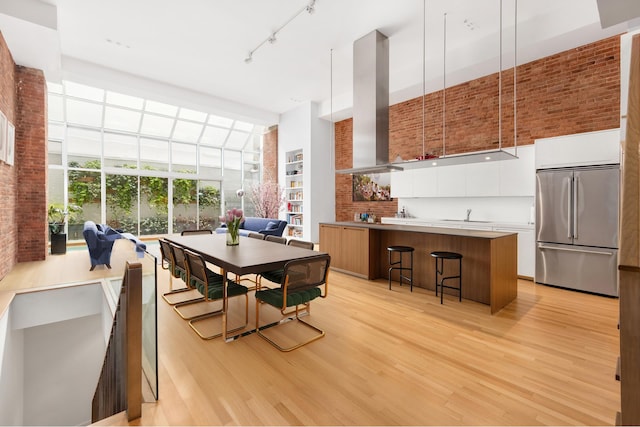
371	105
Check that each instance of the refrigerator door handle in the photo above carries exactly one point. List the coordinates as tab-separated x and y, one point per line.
569	187
576	250
576	183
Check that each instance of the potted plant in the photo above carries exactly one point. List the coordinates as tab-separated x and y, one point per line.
57	218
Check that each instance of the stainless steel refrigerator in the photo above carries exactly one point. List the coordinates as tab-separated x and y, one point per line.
577	215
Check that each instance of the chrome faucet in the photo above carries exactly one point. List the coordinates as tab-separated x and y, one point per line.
468	215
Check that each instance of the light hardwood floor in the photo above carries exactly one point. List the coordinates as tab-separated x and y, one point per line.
396	358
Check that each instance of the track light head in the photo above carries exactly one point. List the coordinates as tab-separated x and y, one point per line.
272	38
311	7
249	58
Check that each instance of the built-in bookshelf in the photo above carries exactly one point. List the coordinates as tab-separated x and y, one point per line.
294	193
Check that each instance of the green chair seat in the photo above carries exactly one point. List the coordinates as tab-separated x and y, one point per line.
214	289
274	297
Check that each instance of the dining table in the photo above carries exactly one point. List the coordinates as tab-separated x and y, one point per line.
250	256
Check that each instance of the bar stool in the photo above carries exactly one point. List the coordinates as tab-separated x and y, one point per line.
442	255
401	250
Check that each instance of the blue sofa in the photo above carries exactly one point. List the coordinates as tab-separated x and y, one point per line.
100	238
266	226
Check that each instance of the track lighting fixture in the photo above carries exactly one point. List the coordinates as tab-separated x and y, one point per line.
309	8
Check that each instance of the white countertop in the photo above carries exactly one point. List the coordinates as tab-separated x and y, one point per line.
427	222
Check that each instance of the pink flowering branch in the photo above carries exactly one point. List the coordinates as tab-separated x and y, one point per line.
268	199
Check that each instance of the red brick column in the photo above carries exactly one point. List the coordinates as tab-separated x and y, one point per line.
32	165
8	175
270	154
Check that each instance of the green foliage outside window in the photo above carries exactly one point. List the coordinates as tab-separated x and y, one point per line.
122	190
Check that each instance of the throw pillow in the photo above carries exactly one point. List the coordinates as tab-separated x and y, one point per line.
272	225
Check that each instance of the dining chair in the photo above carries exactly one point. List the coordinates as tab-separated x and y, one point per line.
210	285
275	276
182	271
276	239
303	281
301	244
258	236
192	232
168	263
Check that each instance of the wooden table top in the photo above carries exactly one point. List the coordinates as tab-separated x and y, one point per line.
250	256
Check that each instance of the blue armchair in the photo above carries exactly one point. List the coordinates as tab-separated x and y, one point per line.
99	240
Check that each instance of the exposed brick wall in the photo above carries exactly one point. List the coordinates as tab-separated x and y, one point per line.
23	186
8	176
571	92
31	158
270	154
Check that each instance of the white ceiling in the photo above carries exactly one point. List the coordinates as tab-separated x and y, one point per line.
191	52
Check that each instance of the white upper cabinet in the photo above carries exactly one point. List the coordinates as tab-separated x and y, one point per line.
425	182
402	183
452	181
482	179
518	176
508	178
589	148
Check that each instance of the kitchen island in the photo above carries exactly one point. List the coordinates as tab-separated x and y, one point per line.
489	266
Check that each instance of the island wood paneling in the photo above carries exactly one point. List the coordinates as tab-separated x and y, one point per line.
489	265
352	249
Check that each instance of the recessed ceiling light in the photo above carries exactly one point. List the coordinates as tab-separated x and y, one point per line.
487	158
434	164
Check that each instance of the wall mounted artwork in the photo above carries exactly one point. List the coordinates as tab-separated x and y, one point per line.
11	142
3	137
371	188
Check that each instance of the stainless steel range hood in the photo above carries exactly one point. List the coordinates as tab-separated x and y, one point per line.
371	106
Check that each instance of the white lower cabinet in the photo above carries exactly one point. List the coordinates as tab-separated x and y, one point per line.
526	250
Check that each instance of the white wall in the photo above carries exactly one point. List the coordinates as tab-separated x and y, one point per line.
52	346
11	373
302	128
497	209
321	166
62	363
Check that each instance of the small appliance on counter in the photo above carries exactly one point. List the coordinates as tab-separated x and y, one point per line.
364	217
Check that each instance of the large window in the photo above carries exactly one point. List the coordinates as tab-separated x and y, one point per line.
144	166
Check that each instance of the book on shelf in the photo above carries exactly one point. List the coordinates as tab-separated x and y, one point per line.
295	219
